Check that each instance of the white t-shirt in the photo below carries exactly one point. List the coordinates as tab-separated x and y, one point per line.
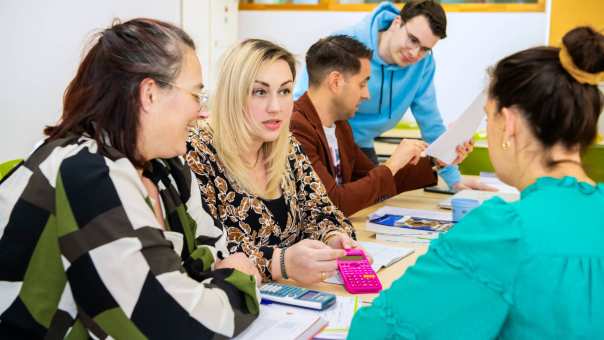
330	133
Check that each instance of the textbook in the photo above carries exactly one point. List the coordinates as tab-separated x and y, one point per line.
395	224
406	238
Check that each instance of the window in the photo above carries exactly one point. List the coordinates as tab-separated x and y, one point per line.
368	5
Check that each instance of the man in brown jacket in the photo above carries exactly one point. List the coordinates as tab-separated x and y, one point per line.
338	69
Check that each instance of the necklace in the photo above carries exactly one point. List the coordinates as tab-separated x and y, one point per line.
552	163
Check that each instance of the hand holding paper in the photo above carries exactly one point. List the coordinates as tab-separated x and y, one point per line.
444	147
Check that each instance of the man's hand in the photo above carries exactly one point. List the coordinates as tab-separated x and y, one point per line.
408	151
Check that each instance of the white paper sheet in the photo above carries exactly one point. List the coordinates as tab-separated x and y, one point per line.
277	321
491	179
443	148
480	196
339	317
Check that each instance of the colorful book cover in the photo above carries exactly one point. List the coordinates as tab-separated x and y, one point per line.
410	222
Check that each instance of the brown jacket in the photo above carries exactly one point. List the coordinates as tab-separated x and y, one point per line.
363	184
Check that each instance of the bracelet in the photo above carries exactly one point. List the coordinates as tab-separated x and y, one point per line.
282	263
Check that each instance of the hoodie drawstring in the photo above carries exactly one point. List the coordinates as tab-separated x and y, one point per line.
389	92
381	91
390	97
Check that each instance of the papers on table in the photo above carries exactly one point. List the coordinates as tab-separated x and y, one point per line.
491	179
478	195
278	321
283	322
506	192
383	256
339	317
443	148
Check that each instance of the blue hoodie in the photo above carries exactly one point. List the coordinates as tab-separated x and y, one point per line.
393	89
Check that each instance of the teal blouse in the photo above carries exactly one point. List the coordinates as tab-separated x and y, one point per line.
532	269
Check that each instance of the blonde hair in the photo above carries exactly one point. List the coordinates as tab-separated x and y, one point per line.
232	125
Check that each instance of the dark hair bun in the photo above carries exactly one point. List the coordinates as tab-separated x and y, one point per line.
560	108
586	48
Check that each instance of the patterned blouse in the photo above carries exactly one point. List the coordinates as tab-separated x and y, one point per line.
82	254
251	226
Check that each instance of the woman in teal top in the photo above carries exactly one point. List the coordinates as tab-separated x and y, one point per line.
532	269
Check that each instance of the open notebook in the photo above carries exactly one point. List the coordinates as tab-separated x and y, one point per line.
277	321
383	256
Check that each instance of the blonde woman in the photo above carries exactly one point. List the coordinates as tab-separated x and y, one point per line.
255	180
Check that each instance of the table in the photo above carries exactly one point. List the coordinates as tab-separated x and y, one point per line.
416	199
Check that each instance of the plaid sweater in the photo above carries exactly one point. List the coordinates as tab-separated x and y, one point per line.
82	254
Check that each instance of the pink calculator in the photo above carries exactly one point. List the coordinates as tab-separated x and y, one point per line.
357	274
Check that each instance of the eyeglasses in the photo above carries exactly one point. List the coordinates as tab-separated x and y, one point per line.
414	43
201	97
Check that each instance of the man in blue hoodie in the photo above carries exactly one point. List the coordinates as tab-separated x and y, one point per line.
402	76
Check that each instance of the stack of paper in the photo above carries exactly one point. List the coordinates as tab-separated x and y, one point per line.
408	225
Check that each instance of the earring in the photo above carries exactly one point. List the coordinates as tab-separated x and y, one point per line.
506	144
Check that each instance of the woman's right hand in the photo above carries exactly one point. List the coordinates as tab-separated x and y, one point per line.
311	261
242	263
407	151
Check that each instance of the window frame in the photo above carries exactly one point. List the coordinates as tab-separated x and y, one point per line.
335	5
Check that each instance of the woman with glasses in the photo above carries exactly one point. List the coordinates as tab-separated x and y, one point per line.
402	76
200	96
255	181
531	269
102	232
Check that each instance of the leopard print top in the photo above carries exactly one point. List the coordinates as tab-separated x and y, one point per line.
251	227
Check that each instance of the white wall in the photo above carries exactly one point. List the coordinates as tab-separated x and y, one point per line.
212	24
42	43
474	42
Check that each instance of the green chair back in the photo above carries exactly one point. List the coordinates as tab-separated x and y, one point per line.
6	167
